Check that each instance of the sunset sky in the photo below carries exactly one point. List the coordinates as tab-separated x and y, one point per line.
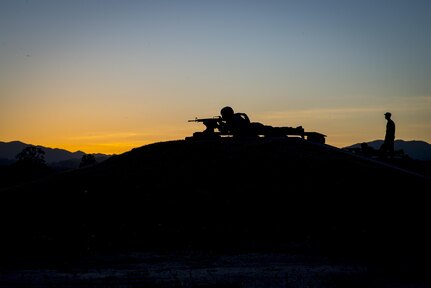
108	76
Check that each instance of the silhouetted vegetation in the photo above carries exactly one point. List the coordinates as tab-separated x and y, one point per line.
87	160
30	165
31	154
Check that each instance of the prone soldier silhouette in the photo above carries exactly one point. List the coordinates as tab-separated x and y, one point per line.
238	125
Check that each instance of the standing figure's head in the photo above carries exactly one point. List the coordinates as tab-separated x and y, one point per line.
388	115
226	113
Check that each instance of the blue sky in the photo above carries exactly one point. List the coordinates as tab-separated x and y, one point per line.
112	75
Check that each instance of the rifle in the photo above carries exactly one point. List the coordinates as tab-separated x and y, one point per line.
210	123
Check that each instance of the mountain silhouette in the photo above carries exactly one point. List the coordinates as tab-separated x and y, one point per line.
415	149
57	158
224	194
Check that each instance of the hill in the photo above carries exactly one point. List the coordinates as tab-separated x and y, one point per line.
419	150
54	157
264	194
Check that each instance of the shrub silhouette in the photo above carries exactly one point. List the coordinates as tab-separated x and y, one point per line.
31	154
30	165
87	160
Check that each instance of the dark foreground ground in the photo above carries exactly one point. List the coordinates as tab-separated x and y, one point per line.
206	269
262	213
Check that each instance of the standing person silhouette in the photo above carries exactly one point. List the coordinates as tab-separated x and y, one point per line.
387	147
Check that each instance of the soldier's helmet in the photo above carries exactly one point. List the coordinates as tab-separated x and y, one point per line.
226	112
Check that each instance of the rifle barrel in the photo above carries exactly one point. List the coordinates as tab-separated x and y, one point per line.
215	118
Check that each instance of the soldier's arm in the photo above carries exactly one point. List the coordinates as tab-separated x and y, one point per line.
244	116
